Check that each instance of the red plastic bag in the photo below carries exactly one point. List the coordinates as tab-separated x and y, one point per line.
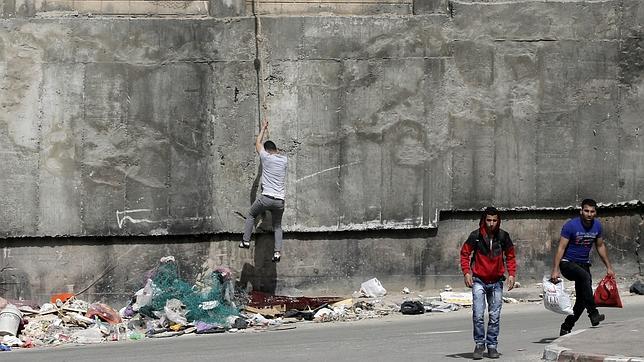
606	294
104	312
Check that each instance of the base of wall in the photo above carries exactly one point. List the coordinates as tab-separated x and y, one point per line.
313	264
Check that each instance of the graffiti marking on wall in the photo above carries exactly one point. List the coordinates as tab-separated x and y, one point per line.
327	170
122	216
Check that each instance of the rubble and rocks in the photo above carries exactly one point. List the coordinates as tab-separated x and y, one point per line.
460	298
372	288
167	306
637	288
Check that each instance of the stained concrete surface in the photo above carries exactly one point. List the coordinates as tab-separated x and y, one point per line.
139	132
118	126
312	263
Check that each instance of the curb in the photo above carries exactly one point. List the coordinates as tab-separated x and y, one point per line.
554	352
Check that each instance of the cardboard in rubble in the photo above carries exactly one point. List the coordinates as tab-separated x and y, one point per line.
460	298
272	312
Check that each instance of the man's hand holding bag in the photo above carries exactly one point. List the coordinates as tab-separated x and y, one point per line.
607	294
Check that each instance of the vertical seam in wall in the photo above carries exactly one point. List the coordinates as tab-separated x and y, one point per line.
257	62
126	128
382	177
425	212
341	161
38	206
618	105
81	155
638	244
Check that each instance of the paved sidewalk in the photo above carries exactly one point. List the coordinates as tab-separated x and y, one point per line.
621	341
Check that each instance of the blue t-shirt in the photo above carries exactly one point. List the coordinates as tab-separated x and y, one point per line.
581	239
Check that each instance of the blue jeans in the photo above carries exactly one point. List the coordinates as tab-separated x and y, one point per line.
492	294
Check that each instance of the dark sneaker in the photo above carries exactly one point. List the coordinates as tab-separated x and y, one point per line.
478	351
244	244
276	257
563	330
492	352
596	318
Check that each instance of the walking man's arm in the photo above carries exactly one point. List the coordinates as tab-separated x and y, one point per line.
603	254
466	253
555	274
510	261
260	136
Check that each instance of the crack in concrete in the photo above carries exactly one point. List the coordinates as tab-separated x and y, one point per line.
638	244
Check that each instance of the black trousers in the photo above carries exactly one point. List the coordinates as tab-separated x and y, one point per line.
580	274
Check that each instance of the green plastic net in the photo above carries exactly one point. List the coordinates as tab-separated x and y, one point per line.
198	301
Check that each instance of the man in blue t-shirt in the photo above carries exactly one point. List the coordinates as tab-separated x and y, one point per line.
573	260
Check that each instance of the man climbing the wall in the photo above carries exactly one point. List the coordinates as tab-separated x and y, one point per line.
482	262
273	182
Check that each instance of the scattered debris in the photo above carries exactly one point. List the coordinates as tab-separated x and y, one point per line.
373	289
10	319
460	298
412	307
168	306
3	303
510	300
637	288
262	300
437	306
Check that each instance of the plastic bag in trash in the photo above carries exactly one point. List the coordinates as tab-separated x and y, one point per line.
636	288
372	288
144	295
175	311
104	312
12	341
87	336
555	298
412	307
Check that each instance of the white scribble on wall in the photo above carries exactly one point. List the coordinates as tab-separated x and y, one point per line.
327	170
122	216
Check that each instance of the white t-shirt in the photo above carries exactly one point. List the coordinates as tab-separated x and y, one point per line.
273	174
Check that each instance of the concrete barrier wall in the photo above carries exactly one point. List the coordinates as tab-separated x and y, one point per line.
127	127
137	127
55	8
215	8
312	263
329	7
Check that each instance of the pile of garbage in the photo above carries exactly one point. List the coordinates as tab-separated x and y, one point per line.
166	306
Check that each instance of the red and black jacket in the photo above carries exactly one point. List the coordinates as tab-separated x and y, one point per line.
487	263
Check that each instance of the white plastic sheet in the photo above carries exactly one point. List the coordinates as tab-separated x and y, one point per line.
555	298
373	289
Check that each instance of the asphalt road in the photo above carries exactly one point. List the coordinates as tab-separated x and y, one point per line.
525	329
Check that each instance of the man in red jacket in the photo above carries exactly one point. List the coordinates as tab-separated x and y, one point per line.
484	256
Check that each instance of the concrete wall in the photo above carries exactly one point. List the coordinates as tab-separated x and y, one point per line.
126	127
57	8
312	264
110	125
136	127
215	8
